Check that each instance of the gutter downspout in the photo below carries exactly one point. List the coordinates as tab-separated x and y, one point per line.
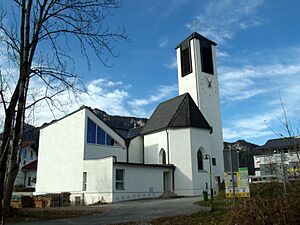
143	150
173	178
168	146
127	143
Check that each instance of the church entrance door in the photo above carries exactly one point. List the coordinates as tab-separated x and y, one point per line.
167	181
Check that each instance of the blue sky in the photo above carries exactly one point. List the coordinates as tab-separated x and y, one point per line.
258	59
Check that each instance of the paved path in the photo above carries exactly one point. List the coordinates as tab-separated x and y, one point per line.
139	211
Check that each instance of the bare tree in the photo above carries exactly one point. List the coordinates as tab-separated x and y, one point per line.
288	132
271	166
38	36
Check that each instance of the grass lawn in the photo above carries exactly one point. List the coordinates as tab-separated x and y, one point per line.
267	206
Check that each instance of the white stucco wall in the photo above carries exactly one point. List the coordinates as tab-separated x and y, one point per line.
184	145
140	182
180	156
99	180
94	151
153	143
202	139
136	150
60	159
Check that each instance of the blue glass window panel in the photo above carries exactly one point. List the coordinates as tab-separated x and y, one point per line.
91	132
109	140
100	136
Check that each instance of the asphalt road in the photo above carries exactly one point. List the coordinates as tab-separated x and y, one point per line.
141	211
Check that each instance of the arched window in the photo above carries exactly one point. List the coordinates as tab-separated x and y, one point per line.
200	160
162	156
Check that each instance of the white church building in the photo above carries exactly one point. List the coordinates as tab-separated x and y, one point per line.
82	154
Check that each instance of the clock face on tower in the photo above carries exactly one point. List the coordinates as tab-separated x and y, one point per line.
211	86
209	82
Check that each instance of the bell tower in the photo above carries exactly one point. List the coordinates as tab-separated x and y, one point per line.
197	75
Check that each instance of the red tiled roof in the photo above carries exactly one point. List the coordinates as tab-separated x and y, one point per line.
30	166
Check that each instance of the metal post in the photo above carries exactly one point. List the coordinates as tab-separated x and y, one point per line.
211	187
283	173
207	156
232	175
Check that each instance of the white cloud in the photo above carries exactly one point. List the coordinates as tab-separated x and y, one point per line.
172	64
259	88
101	93
240	83
114	97
234	134
163	42
263	119
222	54
221	19
162	93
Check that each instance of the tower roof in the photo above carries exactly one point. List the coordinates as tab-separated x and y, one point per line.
197	36
180	111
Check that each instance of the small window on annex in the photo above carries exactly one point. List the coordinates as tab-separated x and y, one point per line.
84	181
200	160
119	179
162	156
206	57
185	57
214	161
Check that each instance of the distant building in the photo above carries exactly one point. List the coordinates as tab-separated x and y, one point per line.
26	177
278	153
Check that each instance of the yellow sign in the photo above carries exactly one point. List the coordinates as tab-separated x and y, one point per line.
237	184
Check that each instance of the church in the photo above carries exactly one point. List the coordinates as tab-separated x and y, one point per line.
176	152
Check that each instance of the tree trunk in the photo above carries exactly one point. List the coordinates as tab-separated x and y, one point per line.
12	172
6	144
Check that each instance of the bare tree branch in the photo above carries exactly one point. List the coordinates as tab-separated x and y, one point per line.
45	23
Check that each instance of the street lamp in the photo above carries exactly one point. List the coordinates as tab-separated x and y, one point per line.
208	157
